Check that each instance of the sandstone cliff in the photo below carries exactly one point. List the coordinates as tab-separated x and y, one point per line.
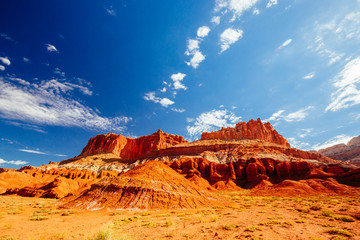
254	129
130	148
349	152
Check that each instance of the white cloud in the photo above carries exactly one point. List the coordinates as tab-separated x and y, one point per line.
18	162
346	82
190	120
163	89
228	37
179	110
291	117
51	48
2	68
19	80
51	103
7	140
177	78
59	72
26	59
331	142
236	6
5	61
275	116
203	31
256	11
197	58
305	132
60	155
210	121
32	151
309	76
165	102
298	144
298	115
192	46
215	20
271	3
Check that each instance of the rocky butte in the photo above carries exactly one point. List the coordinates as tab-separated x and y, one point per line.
165	171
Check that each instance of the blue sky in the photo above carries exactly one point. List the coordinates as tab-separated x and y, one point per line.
71	70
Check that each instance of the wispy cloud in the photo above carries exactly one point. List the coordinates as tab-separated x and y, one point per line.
210	121
50	103
346	83
271	3
291	117
165	102
309	76
177	81
228	37
18	162
237	7
284	44
32	151
7	37
179	110
7	140
298	144
51	48
25	59
333	141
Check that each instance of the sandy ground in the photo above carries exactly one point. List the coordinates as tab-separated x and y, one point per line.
252	217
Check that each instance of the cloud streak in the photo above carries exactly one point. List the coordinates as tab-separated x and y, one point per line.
296	116
18	162
50	103
346	82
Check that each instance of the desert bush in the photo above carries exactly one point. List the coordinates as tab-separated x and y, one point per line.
228	227
344	218
38	218
335	231
326	213
214	218
253	228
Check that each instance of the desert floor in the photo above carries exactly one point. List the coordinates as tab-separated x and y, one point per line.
252	217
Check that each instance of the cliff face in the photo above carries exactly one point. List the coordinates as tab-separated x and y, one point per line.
349	152
254	129
130	148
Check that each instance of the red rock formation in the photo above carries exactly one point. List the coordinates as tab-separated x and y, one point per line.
249	173
349	152
254	129
131	148
148	186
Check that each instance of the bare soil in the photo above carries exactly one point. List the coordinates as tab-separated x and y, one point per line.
252	217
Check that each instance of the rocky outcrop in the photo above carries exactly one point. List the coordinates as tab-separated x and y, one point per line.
148	186
349	152
254	129
53	183
131	148
249	173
